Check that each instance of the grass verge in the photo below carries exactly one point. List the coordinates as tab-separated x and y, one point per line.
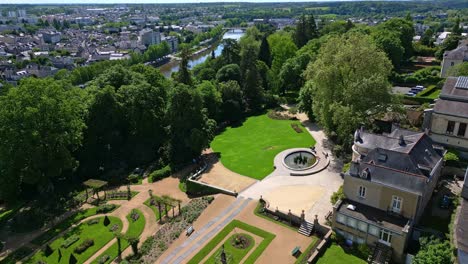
267	238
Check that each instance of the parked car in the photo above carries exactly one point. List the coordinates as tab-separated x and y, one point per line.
410	94
445	202
419	87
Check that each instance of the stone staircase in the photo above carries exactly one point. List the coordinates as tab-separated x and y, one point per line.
381	254
306	228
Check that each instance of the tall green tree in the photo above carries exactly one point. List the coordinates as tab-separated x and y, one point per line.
300	35
311	29
233	105
282	48
433	250
41	124
390	43
290	76
211	99
184	76
404	29
231	51
190	128
349	83
264	53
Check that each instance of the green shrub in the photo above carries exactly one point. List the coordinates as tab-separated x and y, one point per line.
84	246
106	208
93	221
451	155
72	259
161	173
338	195
69	241
209	199
133	178
48	250
346	167
104	259
106	221
363	251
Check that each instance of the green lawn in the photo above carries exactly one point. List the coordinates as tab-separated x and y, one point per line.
431	92
258	250
98	232
235	255
135	229
336	255
250	149
64	225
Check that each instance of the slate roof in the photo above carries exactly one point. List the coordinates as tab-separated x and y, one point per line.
403	159
453	97
459	53
371	214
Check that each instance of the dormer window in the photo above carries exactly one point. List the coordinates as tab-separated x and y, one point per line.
365	173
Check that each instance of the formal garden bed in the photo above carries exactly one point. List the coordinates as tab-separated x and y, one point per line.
136	226
80	243
75	218
253	256
236	248
155	245
251	148
261	212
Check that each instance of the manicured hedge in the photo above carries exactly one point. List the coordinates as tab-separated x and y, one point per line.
267	238
69	241
160	174
199	189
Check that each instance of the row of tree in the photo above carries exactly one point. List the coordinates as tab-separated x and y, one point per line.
124	117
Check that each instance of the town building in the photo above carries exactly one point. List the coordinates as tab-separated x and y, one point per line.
461	225
447	121
389	183
173	42
454	57
51	37
150	37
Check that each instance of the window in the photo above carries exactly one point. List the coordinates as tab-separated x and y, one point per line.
359	240
341	218
362	192
362	226
452	63
450	127
352	222
385	236
373	230
396	204
461	130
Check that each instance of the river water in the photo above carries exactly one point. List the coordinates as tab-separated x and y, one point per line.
173	66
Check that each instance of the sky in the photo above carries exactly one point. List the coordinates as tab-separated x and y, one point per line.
146	1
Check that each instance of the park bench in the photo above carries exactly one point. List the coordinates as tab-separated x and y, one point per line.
296	250
190	230
327	216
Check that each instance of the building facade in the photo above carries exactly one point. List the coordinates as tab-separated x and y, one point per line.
447	121
388	185
453	58
149	37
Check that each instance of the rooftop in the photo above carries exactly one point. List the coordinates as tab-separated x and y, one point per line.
379	217
453	97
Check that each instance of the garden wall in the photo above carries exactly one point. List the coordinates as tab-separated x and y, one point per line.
288	216
321	247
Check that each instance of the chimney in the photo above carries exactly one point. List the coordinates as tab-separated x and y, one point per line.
401	140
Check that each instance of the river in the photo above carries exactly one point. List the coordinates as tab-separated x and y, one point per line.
173	66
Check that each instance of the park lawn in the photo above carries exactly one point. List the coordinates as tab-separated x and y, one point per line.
336	254
267	238
98	232
155	209
250	149
235	255
134	230
64	225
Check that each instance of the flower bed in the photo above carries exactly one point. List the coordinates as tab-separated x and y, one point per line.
155	246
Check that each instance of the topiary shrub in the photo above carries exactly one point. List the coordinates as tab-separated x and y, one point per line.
48	250
72	259
104	259
161	173
105	208
106	221
133	178
84	246
69	241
